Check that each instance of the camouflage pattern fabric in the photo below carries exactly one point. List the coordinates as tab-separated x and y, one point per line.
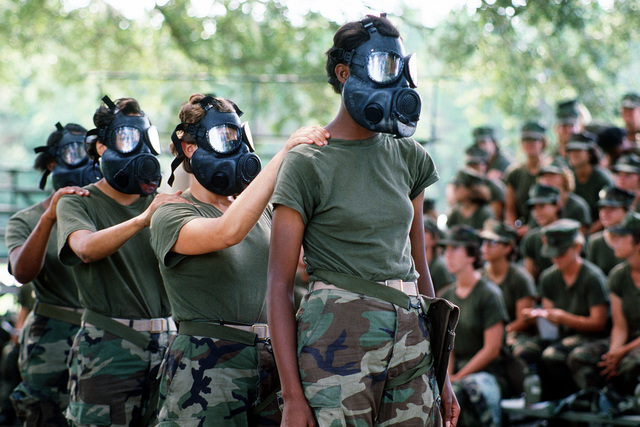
349	346
479	398
583	364
555	376
208	381
526	346
42	397
111	380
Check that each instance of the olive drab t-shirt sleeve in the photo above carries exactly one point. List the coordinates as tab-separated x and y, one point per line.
72	216
55	283
162	242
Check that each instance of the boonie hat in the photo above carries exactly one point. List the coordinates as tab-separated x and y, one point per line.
499	232
615	197
482	132
582	141
476	155
567	111
532	130
629	225
541	194
554	169
461	235
559	236
629	163
468	178
631	100
431	226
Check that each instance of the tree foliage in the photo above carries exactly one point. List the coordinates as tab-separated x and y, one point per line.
529	55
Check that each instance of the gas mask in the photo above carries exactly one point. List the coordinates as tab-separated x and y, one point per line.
224	162
129	164
72	164
379	93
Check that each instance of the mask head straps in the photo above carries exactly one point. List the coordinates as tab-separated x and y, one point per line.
207	104
50	152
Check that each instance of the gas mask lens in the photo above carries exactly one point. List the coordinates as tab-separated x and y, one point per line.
154	139
224	138
386	67
73	153
127	139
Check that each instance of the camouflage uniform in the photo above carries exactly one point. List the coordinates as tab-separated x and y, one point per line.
350	346
44	349
208	380
480	394
105	365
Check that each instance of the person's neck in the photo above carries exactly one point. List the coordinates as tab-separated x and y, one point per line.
344	127
533	163
221	203
430	253
498	267
570	271
122	198
634	261
467	279
583	171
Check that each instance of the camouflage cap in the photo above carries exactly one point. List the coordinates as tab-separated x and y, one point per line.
567	111
498	231
629	163
552	168
629	225
559	236
615	197
582	141
461	235
631	100
532	130
468	178
431	227
540	194
476	155
483	132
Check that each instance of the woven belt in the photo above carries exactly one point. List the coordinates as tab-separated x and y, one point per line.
409	288
246	334
154	326
69	315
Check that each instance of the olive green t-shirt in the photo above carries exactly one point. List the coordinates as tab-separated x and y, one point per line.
225	285
520	180
590	189
500	162
517	284
621	284
55	284
587	291
440	275
577	208
476	220
481	309
125	284
530	247
600	253
355	200
497	190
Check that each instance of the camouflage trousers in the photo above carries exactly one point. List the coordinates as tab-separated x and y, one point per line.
555	376
350	346
214	382
526	346
42	396
479	398
111	380
583	363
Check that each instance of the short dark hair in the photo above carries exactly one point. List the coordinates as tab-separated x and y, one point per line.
351	36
